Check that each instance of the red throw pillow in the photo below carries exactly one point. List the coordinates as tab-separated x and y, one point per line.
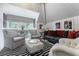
49	33
72	34
59	33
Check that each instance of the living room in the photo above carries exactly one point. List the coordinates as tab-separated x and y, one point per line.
39	29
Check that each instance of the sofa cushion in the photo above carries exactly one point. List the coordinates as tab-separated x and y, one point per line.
59	33
11	33
72	34
52	37
65	34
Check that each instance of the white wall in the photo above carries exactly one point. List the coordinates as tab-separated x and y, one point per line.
75	23
1	32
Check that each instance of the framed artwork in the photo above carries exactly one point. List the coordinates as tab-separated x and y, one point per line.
40	26
58	25
70	24
67	24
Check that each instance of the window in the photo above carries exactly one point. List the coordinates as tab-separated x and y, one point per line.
18	25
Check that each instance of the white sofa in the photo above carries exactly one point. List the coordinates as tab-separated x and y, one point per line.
33	45
65	47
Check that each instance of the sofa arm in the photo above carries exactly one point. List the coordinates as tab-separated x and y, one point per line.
63	49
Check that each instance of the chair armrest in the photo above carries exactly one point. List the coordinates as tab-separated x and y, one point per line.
17	38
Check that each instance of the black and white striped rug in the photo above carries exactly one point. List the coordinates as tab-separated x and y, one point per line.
22	51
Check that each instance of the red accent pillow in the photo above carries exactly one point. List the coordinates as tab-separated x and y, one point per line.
49	33
59	33
72	34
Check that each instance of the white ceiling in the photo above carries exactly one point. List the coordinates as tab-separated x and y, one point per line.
54	11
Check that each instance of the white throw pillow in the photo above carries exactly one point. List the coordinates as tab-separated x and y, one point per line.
73	43
68	42
77	40
77	46
62	41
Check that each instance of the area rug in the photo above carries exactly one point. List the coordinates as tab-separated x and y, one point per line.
22	51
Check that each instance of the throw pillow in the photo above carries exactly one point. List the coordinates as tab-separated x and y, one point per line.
59	33
72	34
65	34
53	33
49	33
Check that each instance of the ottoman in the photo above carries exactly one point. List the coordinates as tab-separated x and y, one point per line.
34	45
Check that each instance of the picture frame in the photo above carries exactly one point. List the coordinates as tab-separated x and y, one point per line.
67	24
58	25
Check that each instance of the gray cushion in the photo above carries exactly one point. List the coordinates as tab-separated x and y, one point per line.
51	37
77	34
11	33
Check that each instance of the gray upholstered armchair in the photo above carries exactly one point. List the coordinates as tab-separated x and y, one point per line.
12	40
